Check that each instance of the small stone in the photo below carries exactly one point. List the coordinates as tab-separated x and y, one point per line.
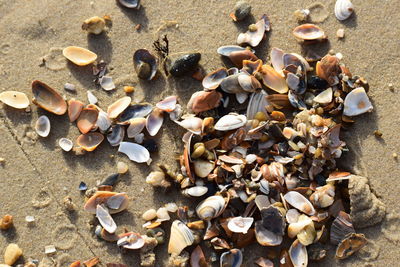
395	156
378	133
12	254
391	87
301	15
29	219
49	249
122	167
6	222
149	215
70	87
252	27
129	89
2	161
340	33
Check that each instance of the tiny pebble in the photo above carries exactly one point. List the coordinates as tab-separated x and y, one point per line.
340	33
391	87
70	87
129	89
242	10
122	167
29	219
301	15
12	254
2	160
49	249
149	215
395	156
339	56
378	133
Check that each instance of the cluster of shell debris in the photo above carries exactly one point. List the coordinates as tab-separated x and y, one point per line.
260	149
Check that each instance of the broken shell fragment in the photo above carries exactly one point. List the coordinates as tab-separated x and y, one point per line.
6	222
135	4
308	32
180	238
328	68
298	254
184	64
230	122
343	9
14	99
168	104
323	196
341	227
91	98
192	124
134	152
87	119
119	200
195	191
154	121
214	79
273	80
79	56
357	103
325	97
231	258
131	241
226	50
145	64
298	201
351	244
135	111
202	101
74	109
294	228
116	135
136	126
265	237
12	254
203	168
42	126
238	57
90	141
103	121
95	25
255	33
116	108
65	144
106	82
105	219
47	98
162	215
240	224
197	258
211	207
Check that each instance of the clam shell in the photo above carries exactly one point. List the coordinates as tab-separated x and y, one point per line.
325	97
299	202
136	126
107	83
131	241
323	196
74	109
240	224
228	49
42	126
248	83
168	104
90	141
180	238
79	56
277	59
116	135
231	258
202	101
162	215
103	122
184	64
47	98
328	68
87	119
265	237
353	243
251	67
14	99
102	197
298	254
308	32
238	57
145	64
357	103
214	79
105	219
253	38
192	124
203	168
295	227
211	207
116	108
65	144
343	9
273	80
195	191
94	25
135	111
231	84
257	103
230	122
155	121
197	258
135	152
135	4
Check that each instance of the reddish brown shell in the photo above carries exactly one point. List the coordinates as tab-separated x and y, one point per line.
101	197
329	69
203	101
89	141
87	119
47	98
75	264
91	262
74	109
237	57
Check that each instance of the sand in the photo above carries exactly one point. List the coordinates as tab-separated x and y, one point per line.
38	172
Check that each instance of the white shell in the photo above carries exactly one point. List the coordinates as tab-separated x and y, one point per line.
162	215
325	97
65	144
343	9
253	38
105	219
298	201
226	50
257	103
132	241
168	104
103	122
240	224
118	107
202	168
154	121
277	59
91	98
106	82
230	122
180	238
14	99
357	102
211	207
134	152
136	126
195	191
192	124
42	126
298	254
241	97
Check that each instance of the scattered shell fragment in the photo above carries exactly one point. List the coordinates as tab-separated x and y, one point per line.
273	80
149	215
102	197
240	224
168	104
340	33
325	97
12	254
135	4
343	9
50	249
116	108
6	222
116	135
231	258
90	141
145	64
14	99
42	126
105	219
298	254
265	237
134	152
154	121
135	127
91	98
202	168
255	33
202	101
181	237
47	98
357	102
65	144
157	178
131	241
230	122
309	32
298	201
95	25
351	244
106	82
74	109
87	119
79	56
214	79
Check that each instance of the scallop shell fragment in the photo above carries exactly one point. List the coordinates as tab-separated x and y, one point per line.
240	224
14	99
309	32
47	98
65	144
89	141
230	122
87	119
105	219
42	126
135	152
343	9
180	238
116	108
298	201
357	103
79	56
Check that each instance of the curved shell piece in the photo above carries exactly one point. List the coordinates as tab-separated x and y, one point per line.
74	109
230	122
105	219
202	101
210	207
180	238
118	107
325	97
154	121
298	201
203	168
103	121
343	9
94	25
231	258
357	102
145	64
238	57
135	111
65	144
134	152
87	119
226	50
42	126
106	82
116	135
231	84
192	124
353	243
168	104
47	98
102	197
273	80
256	104
298	254
295	227
79	56
90	141
308	32
135	4
136	126
195	191
131	241
240	224
265	237
328	68
277	59
253	37
14	99
248	83
214	79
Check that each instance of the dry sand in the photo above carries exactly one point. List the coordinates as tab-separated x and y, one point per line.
39	171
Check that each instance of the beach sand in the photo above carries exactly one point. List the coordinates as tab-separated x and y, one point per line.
37	175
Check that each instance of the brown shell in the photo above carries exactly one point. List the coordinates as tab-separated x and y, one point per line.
6	222
75	264
91	262
74	109
90	141
101	197
87	119
203	101
309	32
329	69
237	57
47	98
197	258
353	243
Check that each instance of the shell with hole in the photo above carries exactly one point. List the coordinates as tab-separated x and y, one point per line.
79	56
14	99
47	98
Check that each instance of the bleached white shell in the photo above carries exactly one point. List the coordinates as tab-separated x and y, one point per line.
253	38
298	254
91	98
240	224
241	97
192	124
136	126
65	144
357	102
180	238
277	59
168	104
210	207
162	215
42	126
226	50
134	152
195	191
131	241
154	121
103	122
106	82
343	9
118	107
105	219
230	122
298	201
325	97
14	99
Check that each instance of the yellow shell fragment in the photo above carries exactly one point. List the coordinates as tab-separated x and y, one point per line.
12	254
79	56
14	99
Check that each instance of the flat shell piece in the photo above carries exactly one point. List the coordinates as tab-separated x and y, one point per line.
154	121
357	103
254	37
325	97
79	56
308	32
214	79
91	98
230	122
106	82
273	79
118	107
168	104
74	109
87	119
90	141
42	126
14	99
103	121
105	219
65	144
116	201
135	111
135	152
131	241
265	237
136	126
47	98
240	224
298	201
